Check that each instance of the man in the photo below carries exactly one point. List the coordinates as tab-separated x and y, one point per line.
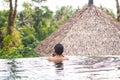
58	56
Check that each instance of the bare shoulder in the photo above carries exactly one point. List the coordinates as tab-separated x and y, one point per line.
57	58
66	58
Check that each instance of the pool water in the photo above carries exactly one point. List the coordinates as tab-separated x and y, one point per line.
76	68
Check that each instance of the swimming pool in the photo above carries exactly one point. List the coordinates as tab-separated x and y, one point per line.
76	68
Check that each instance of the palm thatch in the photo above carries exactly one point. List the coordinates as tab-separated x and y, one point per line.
91	31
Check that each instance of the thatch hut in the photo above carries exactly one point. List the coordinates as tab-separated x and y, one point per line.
91	31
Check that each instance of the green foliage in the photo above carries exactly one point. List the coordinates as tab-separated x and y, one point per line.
10	45
28	52
27	6
13	39
25	17
6	0
108	11
3	32
10	53
3	23
12	50
30	41
15	52
63	14
42	18
28	36
27	30
3	18
33	25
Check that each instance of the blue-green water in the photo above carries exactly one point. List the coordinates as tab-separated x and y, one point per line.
76	68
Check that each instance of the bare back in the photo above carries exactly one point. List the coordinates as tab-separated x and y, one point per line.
57	58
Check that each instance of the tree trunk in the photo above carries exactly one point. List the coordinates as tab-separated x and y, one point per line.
12	15
118	10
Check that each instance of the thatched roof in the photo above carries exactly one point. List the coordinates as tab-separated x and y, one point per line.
91	31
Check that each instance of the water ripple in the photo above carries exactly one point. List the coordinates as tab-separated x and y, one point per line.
76	68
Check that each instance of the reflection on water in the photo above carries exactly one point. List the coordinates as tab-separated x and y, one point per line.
12	68
59	68
77	68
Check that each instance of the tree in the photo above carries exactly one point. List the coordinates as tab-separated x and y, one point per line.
42	18
24	17
118	10
63	14
12	15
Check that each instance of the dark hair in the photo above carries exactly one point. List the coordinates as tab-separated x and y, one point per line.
59	48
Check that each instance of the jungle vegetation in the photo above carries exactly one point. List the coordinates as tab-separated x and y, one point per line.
22	31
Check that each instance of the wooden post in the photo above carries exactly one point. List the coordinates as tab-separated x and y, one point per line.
118	10
90	2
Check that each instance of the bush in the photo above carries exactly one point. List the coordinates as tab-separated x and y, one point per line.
30	41
9	53
17	53
28	52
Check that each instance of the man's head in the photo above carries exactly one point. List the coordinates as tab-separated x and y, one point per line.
59	49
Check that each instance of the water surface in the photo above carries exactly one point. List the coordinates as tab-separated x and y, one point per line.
76	68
